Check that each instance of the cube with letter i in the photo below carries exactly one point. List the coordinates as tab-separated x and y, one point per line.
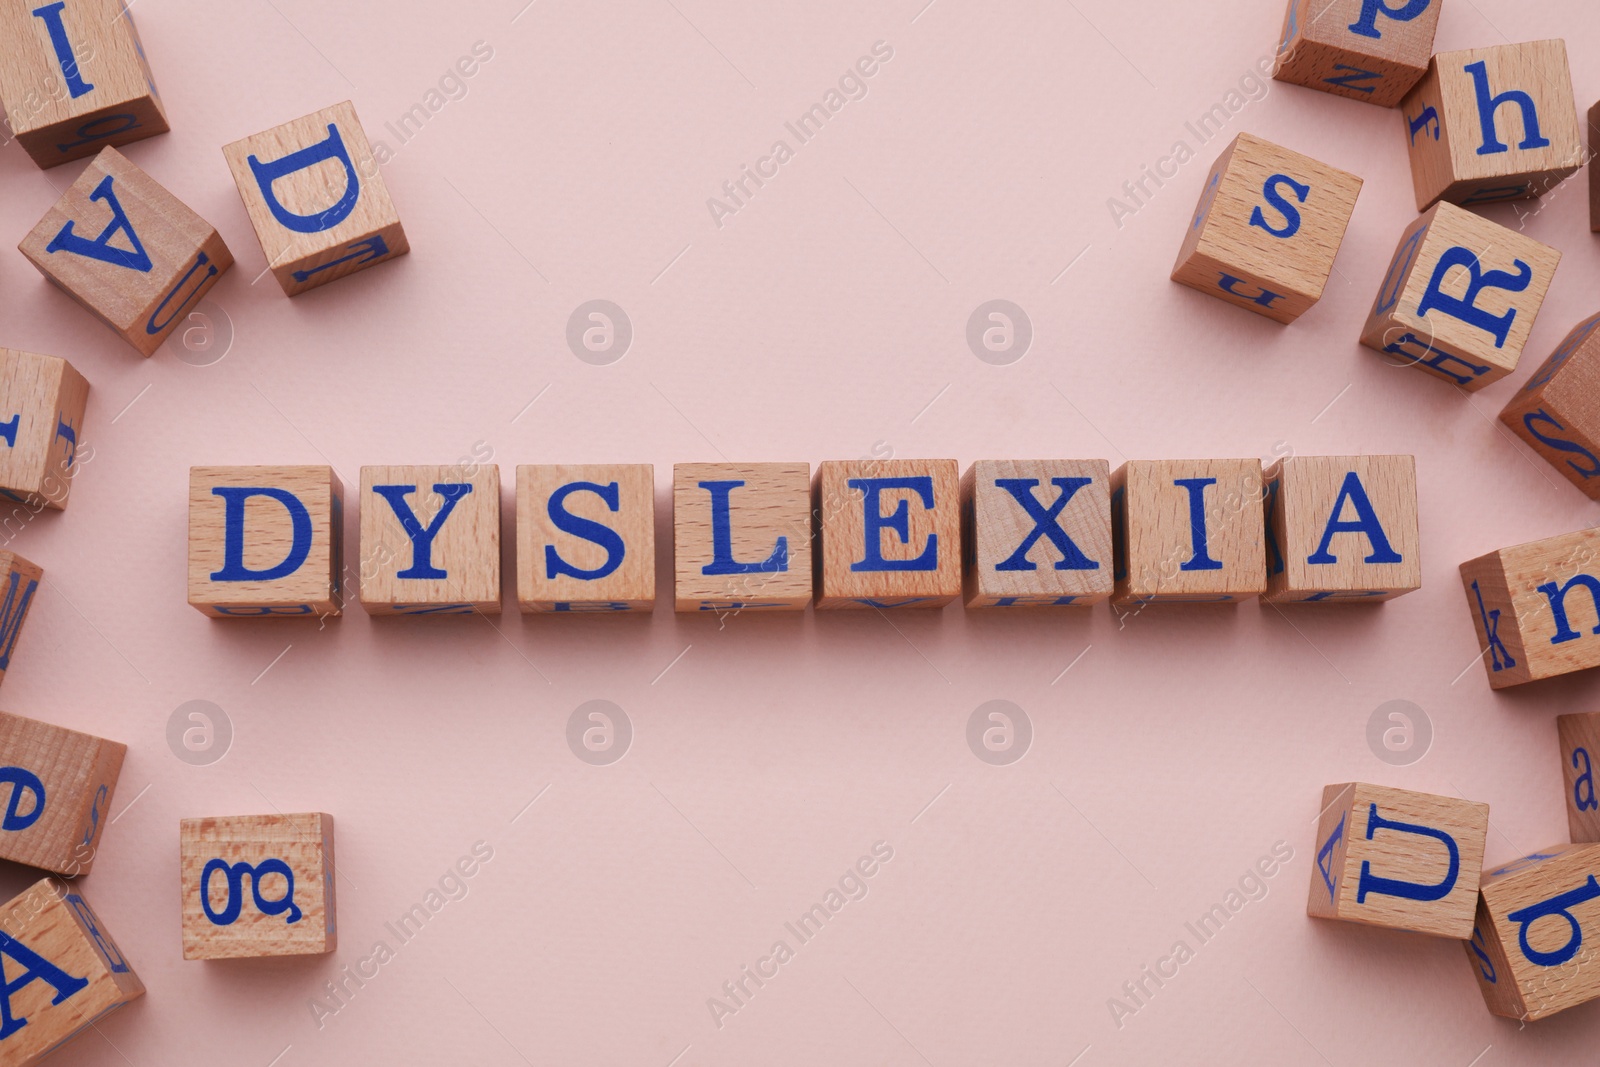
59	784
1188	531
1555	413
257	885
430	540
586	537
1371	50
264	542
1037	533
1534	943
41	418
1269	225
1342	529
1536	607
1579	739
1394	858
889	533
741	536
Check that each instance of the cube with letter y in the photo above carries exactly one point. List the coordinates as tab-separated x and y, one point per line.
1370	50
586	537
264	542
257	885
1037	533
59	784
430	540
1188	531
1536	607
741	536
1342	529
1534	944
890	533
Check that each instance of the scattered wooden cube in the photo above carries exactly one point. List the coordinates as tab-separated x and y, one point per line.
1536	607
1493	124
889	533
127	250
1594	172
430	540
1460	297
58	785
1367	50
741	536
1269	225
1534	942
1189	531
1556	413
1579	736
586	537
257	885
316	198
265	541
19	580
1037	533
41	417
1342	529
1394	858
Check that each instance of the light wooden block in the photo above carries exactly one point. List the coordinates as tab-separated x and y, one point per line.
316	198
41	420
1536	607
1342	530
1189	531
1460	297
430	540
265	542
889	533
1398	859
1594	172
1268	228
1557	413
1579	738
58	785
127	250
1536	941
1493	124
1369	50
257	885
74	78
1037	533
19	581
62	971
586	537
741	536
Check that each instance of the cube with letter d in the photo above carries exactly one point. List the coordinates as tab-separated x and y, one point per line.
264	541
890	533
1342	529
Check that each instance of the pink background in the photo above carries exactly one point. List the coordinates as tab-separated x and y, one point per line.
825	320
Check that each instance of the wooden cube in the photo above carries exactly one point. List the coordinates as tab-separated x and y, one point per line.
1460	297
1536	607
1594	172
1557	413
1534	942
1368	50
741	536
430	540
1579	737
1189	531
586	537
1037	533
62	971
19	580
58	785
1394	858
316	198
1269	225
1492	124
889	533
41	417
74	78
127	250
265	542
257	885
1342	529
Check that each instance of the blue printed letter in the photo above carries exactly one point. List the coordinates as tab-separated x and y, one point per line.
233	568
330	148
422	539
588	529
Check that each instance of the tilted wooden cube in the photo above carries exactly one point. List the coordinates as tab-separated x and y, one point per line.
1037	533
41	420
1536	607
19	581
741	536
889	533
257	885
1594	172
1342	529
1579	739
1534	945
1370	50
430	540
1268	228
1189	531
128	251
1394	858
586	537
1493	124
1557	413
265	542
1460	297
58	784
316	198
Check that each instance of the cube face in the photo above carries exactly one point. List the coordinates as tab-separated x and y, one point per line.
430	540
1460	297
59	785
1037	533
890	533
316	198
741	536
1190	531
257	885
1398	859
1594	172
1557	413
586	537
127	250
1534	941
19	581
1579	738
264	542
1342	530
41	418
1269	225
1535	607
1367	50
1493	124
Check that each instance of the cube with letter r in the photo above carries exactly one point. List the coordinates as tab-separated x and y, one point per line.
264	542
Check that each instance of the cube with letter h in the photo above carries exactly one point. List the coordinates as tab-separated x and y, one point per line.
586	537
741	536
889	534
257	885
264	542
1579	739
1533	945
59	784
1555	412
1037	533
1536	607
41	417
1371	50
1342	529
430	540
1189	531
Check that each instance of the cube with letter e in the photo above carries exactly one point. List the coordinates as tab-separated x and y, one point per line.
889	533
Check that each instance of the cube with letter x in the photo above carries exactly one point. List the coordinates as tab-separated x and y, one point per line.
1534	945
430	540
1037	533
1536	607
1342	529
890	533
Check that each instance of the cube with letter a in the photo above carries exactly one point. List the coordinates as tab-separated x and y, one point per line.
1555	413
586	537
741	536
1342	529
59	784
1188	531
1536	607
1535	946
1370	50
430	540
1394	858
890	533
1037	533
264	542
1579	739
257	885
41	418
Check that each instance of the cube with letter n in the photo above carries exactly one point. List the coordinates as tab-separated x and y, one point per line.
1342	529
1536	607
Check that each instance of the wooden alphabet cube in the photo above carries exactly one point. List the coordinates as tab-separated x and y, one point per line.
1368	50
889	533
1579	737
62	969
1460	297
1534	944
58	784
586	537
265	542
1493	124
1536	607
1189	531
1037	533
257	885
74	78
127	250
1342	530
430	540
19	580
741	536
41	417
1394	858
1269	225
316	198
1557	413
1594	172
